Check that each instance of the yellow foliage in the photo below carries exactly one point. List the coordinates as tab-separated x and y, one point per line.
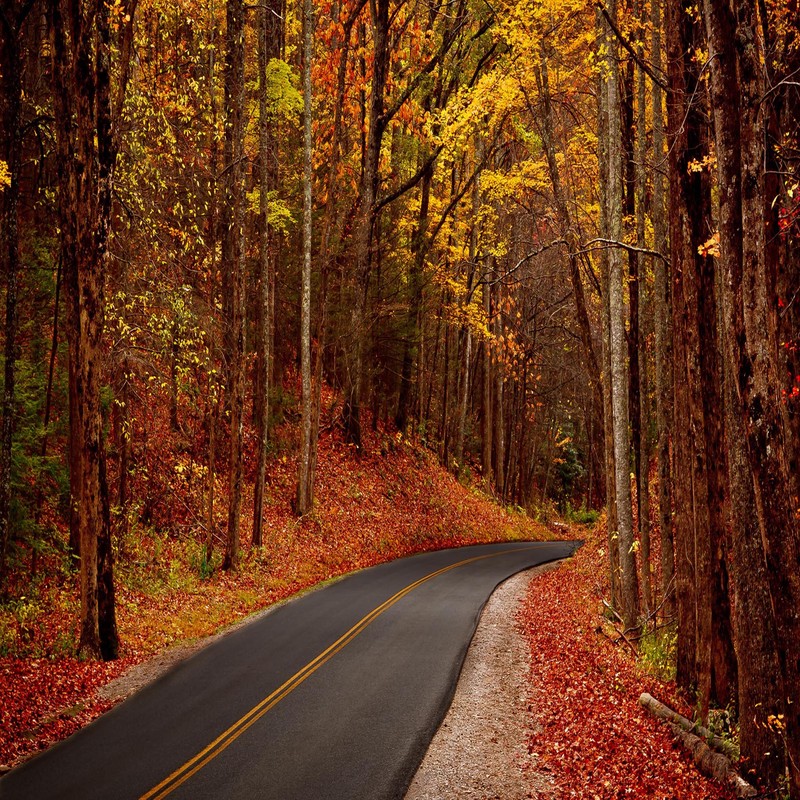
711	247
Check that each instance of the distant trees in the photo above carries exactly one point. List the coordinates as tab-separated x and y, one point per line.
439	285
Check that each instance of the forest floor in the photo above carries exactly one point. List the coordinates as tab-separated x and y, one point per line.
591	738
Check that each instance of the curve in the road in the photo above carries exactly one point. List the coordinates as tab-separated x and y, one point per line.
356	676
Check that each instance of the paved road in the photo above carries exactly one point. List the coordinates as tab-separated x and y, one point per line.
333	696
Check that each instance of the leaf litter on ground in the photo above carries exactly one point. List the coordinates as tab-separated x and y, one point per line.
592	736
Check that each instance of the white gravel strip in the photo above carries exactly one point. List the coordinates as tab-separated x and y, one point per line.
480	750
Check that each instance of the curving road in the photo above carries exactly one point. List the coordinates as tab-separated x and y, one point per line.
333	696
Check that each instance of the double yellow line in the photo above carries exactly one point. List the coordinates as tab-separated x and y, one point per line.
227	737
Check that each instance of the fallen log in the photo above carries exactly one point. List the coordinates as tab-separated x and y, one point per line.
668	715
715	764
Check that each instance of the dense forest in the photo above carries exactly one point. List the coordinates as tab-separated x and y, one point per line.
554	242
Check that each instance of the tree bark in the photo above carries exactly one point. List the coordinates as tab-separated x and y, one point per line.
662	307
759	690
663	712
499	426
679	37
608	424
467	330
269	40
629	582
629	139
414	315
354	356
486	386
304	489
643	304
233	263
11	22
750	305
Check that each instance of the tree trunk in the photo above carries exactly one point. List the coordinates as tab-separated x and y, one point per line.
643	308
414	314
233	262
11	87
86	149
753	327
662	308
759	688
684	189
486	387
629	138
608	425
304	489
629	582
467	330
499	435
269	40
354	356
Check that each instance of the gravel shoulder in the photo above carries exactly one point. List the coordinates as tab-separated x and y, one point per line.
481	747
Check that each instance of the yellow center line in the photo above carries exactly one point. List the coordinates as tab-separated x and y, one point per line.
227	737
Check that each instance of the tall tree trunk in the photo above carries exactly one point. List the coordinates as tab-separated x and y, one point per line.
11	22
629	138
499	387
233	263
629	582
213	385
369	183
693	194
304	490
81	50
760	693
753	325
414	315
683	126
269	39
722	658
467	331
662	308
486	386
463	399
608	425
643	307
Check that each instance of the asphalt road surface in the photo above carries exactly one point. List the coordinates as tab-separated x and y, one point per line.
333	696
